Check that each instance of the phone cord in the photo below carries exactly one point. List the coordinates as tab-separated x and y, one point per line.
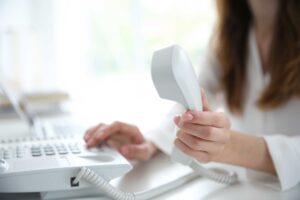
218	175
116	194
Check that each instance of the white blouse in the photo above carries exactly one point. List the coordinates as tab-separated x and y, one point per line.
280	127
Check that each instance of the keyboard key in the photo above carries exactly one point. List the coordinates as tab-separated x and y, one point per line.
77	151
50	153
19	156
62	152
6	154
35	148
36	154
48	149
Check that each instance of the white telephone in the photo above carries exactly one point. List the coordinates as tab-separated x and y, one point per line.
60	166
48	162
51	164
174	78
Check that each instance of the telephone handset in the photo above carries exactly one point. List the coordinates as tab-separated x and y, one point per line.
175	79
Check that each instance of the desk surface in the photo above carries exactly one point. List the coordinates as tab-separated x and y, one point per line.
160	169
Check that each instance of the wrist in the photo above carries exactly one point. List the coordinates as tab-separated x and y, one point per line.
248	151
226	155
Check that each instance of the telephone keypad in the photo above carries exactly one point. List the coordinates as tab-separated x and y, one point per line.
61	149
6	154
34	148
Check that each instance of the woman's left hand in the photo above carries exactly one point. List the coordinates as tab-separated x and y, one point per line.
202	135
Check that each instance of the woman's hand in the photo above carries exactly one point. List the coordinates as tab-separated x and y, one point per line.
126	138
202	135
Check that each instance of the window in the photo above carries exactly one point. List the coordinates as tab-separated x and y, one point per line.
96	46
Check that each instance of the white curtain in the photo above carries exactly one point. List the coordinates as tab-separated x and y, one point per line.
49	44
41	45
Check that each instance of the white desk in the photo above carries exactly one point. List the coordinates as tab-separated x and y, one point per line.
147	175
160	169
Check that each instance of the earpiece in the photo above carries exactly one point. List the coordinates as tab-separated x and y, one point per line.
174	77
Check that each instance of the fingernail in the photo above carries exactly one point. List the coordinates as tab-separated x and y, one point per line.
176	120
86	137
99	136
188	116
89	143
124	150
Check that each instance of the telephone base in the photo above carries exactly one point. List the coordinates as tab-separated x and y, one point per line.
73	194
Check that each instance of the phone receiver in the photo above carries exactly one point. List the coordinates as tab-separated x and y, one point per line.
3	166
174	79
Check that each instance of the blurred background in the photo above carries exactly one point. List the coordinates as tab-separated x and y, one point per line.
97	53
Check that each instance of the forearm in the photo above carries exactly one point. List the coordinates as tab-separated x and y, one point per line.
247	151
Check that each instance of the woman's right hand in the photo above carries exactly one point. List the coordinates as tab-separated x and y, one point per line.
126	138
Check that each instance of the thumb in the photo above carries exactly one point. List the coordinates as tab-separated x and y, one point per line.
135	151
205	104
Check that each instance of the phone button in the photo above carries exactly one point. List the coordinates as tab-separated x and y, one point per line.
3	166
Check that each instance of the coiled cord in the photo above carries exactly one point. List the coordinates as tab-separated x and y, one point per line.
220	176
103	184
116	194
90	176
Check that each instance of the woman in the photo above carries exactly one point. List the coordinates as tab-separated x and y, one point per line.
254	68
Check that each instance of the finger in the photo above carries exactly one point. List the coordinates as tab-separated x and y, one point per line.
216	119
176	120
94	140
120	127
205	132
114	144
205	104
89	132
121	138
105	132
135	151
118	140
199	144
201	156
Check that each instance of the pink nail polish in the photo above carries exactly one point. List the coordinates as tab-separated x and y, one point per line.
176	120
190	116
124	150
89	143
86	137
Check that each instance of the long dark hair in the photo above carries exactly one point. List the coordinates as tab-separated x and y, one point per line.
231	49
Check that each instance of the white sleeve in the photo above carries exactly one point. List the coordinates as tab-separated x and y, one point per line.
163	135
209	75
285	153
